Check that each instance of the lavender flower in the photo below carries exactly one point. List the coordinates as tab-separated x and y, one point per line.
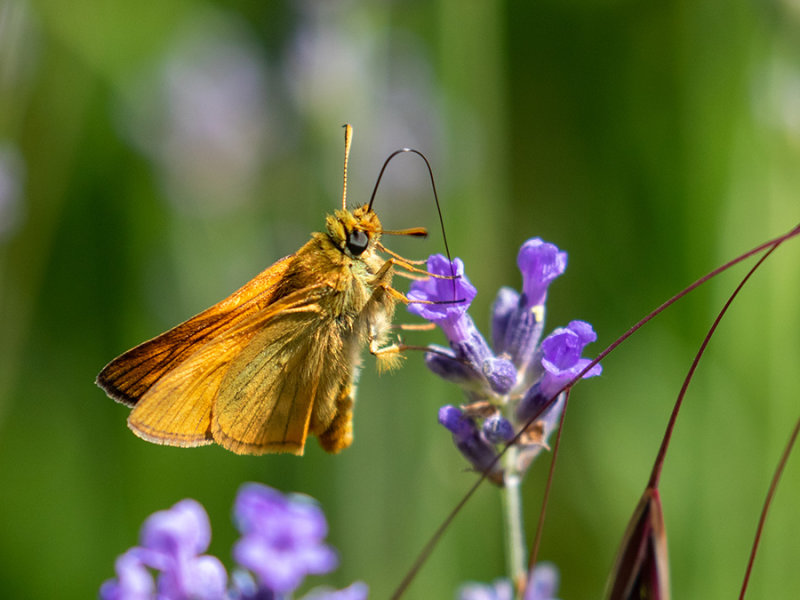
498	429
510	381
506	303
470	349
281	538
282	542
542	585
171	542
245	588
133	582
520	327
540	263
562	361
355	591
469	439
499	589
453	297
542	582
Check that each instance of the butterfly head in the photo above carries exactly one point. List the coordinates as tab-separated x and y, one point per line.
354	232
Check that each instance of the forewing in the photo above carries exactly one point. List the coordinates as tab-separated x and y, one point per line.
128	377
177	408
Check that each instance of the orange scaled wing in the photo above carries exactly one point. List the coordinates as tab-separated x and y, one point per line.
254	375
130	377
279	383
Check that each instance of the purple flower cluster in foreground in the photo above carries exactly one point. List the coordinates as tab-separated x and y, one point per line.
510	382
281	543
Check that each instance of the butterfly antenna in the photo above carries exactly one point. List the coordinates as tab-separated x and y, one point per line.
435	197
348	137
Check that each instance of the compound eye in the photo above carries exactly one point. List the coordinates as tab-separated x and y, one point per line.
357	242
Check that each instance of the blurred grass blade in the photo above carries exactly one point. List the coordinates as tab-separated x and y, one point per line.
641	569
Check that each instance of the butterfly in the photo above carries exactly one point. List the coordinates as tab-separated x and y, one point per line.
279	358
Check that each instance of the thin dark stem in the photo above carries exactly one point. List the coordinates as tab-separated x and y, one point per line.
437	535
548	487
774	242
767	502
662	451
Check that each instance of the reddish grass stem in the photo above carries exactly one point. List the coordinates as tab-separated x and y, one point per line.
662	451
548	486
767	502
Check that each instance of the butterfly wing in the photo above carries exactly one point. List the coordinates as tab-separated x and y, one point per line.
177	408
288	383
128	377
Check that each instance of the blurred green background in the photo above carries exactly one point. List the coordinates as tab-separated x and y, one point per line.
155	156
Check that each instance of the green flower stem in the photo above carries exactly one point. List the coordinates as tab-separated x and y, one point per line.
516	549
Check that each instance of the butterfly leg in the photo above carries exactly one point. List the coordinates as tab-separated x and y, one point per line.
339	434
388	357
380	308
382	283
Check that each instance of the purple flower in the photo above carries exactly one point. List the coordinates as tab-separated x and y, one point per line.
505	304
355	591
469	439
500	589
282	538
516	329
562	361
540	263
542	582
562	355
282	542
133	582
472	360
500	373
244	587
453	297
498	429
516	376
171	542
184	529
542	585
445	364
200	578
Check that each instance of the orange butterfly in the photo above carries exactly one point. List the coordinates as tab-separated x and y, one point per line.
277	359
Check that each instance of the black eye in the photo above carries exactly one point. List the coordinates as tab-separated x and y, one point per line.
357	241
